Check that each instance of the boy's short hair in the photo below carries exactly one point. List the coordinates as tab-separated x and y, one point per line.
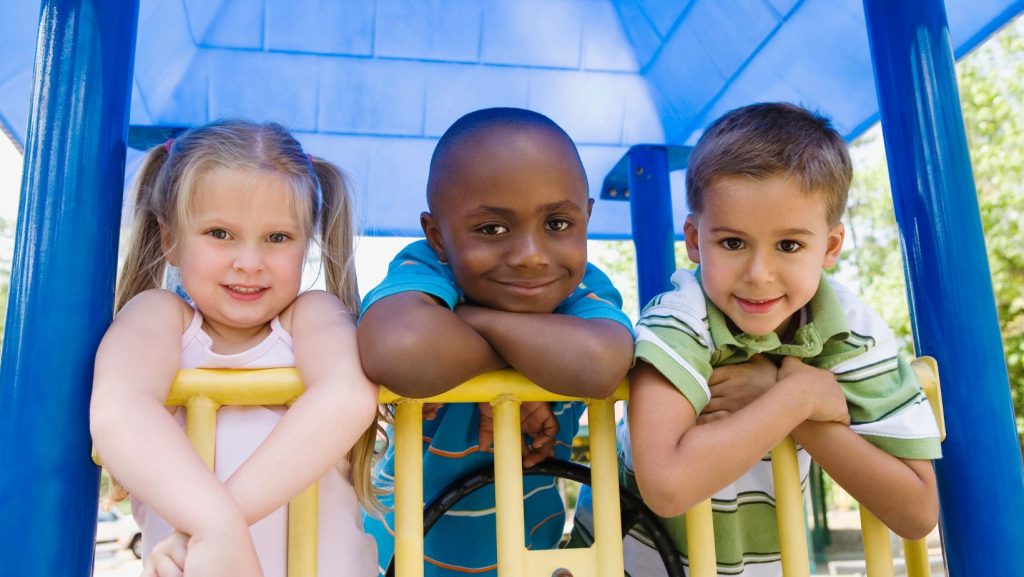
515	119
771	139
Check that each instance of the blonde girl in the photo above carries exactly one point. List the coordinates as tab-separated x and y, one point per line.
235	207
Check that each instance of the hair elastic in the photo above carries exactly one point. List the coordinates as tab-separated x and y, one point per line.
168	145
319	191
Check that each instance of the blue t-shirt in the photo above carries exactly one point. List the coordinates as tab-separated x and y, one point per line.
463	541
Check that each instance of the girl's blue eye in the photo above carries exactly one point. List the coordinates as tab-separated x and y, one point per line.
789	246
493	229
218	233
277	237
732	244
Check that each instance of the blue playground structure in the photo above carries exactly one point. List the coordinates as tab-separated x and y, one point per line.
371	84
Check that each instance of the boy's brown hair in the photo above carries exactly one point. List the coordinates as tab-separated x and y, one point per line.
773	139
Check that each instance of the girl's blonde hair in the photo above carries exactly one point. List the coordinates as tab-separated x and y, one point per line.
166	184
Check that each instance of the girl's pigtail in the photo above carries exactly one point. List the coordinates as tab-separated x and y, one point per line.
144	262
336	232
143	267
338	256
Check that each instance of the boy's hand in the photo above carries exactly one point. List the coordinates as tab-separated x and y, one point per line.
819	387
536	420
736	386
430	410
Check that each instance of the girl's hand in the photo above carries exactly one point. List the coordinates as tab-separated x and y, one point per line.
736	386
226	553
819	387
168	557
535	419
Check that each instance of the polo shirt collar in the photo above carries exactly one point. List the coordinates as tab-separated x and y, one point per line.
821	320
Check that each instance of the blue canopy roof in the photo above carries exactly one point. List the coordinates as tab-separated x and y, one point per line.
371	85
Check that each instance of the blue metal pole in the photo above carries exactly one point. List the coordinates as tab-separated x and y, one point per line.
650	204
981	478
65	258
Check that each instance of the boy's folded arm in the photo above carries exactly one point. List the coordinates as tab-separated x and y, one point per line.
564	354
678	464
322	425
418	348
900	492
137	438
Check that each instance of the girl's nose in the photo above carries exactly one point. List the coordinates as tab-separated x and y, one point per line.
249	259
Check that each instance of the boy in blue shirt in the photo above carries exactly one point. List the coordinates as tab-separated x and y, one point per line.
502	280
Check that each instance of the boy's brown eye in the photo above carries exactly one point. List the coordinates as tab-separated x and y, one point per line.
493	229
558	224
789	246
732	244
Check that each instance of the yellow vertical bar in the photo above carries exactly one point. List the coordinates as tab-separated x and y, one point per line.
409	489
789	510
302	533
877	547
915	552
201	427
508	488
700	540
604	482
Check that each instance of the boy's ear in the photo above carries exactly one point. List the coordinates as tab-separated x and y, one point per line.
692	242
834	245
167	245
433	233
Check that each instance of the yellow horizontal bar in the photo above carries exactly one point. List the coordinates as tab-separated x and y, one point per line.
236	386
488	386
283	386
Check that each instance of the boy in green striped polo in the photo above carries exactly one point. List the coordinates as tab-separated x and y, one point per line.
757	344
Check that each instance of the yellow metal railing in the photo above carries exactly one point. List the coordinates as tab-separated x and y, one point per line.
203	391
791	521
506	390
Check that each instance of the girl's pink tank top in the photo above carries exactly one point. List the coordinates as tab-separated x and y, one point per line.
343	548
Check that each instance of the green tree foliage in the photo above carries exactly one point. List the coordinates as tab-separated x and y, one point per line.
992	99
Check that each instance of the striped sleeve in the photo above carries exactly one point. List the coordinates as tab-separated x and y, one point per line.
672	336
886	403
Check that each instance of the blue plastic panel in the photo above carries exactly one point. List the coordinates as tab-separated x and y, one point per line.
280	87
544	33
445	30
340	27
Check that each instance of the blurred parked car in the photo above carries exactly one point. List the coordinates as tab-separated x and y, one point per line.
116	530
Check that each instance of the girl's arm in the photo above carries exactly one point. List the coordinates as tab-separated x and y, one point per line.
318	429
900	492
564	354
140	442
678	464
418	348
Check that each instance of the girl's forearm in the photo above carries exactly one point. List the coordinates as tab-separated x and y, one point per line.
314	435
159	466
